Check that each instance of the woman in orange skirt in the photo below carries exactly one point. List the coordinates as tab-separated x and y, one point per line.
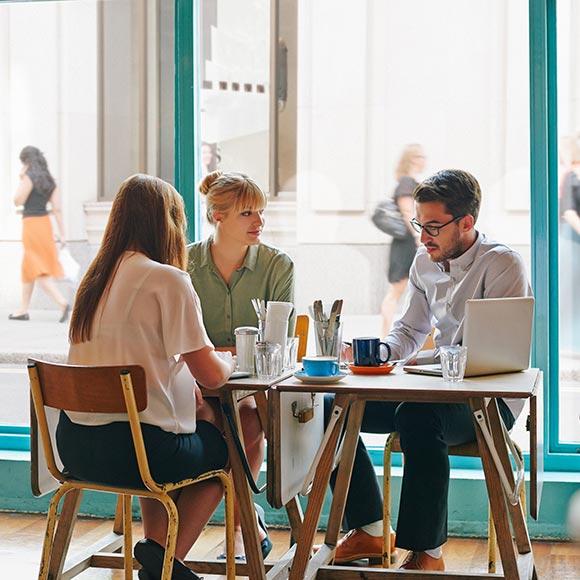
40	261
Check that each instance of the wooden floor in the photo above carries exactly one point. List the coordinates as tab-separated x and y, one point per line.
21	539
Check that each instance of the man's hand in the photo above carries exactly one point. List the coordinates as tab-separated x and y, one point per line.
346	352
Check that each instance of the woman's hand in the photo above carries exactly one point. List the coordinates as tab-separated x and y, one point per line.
208	368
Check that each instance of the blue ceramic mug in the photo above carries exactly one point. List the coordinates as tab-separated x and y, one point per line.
366	351
320	366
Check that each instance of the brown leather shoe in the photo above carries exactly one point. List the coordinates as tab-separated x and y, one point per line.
357	544
422	561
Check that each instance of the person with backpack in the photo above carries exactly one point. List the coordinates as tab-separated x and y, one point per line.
405	240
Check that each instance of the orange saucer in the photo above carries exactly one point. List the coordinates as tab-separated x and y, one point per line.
383	369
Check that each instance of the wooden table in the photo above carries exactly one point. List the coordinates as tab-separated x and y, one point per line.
351	394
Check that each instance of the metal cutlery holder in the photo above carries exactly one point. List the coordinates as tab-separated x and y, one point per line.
328	343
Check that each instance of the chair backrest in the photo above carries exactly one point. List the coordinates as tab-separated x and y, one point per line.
112	389
302	322
88	389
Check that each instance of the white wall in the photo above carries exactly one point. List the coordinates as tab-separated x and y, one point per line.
451	75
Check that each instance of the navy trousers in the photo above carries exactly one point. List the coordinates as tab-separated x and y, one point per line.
426	430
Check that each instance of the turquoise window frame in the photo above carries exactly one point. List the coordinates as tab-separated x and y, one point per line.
545	225
187	132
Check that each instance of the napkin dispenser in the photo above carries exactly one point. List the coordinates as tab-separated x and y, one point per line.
277	316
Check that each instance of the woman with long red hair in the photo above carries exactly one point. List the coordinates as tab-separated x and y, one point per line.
136	305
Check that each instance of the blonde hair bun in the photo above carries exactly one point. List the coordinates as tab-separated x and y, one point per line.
208	181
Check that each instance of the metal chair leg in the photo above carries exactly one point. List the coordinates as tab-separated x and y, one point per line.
491	543
229	517
50	529
386	558
128	537
172	527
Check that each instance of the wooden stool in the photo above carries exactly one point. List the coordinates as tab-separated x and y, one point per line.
116	389
393	444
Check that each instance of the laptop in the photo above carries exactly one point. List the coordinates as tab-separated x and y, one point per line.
498	335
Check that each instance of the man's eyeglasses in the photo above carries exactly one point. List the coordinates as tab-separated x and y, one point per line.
431	230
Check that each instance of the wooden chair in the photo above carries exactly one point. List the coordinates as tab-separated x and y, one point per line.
301	331
114	389
393	444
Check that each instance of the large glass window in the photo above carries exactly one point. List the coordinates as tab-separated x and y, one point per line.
568	65
235	86
358	86
90	84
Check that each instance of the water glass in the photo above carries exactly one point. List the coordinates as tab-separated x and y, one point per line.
291	353
453	361
268	360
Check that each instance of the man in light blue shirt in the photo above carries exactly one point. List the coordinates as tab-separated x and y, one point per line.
454	263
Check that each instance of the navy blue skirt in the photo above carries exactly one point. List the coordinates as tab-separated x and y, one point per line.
105	453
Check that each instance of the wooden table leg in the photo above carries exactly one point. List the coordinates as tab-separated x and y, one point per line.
525	560
316	497
516	511
262	408
497	500
340	493
246	508
70	508
296	519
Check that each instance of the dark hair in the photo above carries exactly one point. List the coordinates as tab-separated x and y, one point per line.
147	216
457	189
37	170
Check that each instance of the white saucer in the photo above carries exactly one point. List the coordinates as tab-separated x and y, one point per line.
302	376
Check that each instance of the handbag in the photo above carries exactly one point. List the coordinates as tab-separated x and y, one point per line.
388	218
69	265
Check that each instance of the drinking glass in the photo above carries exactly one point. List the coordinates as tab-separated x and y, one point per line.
291	353
453	360
268	360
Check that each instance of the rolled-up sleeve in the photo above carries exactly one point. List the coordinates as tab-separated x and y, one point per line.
181	318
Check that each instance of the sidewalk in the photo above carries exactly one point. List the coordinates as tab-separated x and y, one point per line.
42	336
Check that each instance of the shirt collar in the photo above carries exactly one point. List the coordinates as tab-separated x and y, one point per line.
251	257
207	260
463	263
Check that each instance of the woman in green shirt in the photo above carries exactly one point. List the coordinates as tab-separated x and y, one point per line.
229	269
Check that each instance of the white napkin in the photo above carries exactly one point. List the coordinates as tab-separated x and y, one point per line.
277	315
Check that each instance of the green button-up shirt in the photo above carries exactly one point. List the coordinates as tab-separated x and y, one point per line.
266	273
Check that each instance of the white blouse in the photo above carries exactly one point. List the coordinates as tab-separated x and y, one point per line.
150	315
